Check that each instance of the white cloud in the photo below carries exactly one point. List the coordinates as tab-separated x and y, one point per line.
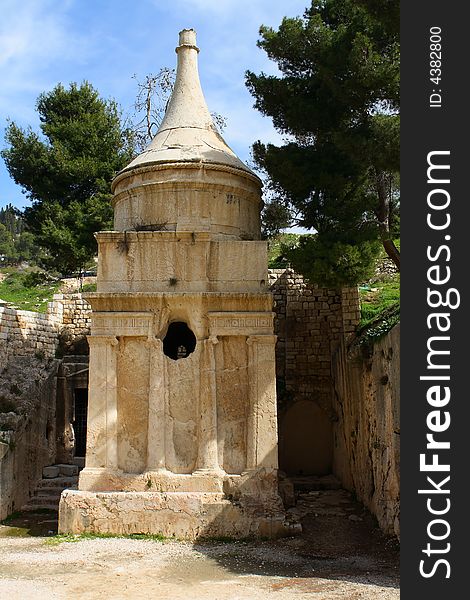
34	34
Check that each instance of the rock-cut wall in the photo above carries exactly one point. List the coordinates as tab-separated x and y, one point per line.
27	427
366	455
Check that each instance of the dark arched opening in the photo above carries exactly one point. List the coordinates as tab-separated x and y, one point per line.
306	440
80	411
179	341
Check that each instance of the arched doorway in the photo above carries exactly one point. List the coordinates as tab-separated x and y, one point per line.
306	440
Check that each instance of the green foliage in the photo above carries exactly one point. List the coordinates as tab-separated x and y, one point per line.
278	247
89	287
377	298
11	218
333	263
7	249
378	327
337	99
16	244
275	216
28	290
66	172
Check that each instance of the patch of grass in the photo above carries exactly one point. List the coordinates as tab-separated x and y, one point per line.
375	329
377	298
28	290
72	538
89	287
14	532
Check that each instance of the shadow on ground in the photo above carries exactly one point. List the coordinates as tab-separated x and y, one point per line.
340	541
35	524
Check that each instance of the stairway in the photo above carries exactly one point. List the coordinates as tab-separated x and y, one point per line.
56	478
310	483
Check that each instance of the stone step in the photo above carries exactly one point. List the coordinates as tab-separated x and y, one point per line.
40	507
60	470
48	491
67	470
51	492
311	483
79	461
42	502
50	472
42	494
58	482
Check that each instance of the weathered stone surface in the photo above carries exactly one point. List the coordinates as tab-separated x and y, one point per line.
50	472
287	492
183	515
310	323
67	470
27	435
367	433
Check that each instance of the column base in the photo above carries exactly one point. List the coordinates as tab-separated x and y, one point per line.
216	472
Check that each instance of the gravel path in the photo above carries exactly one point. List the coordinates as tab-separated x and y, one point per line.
121	569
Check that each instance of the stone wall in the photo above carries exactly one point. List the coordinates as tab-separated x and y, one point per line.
76	312
367	432
75	322
310	322
27	333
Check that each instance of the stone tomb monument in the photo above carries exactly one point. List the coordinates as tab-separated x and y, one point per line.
182	434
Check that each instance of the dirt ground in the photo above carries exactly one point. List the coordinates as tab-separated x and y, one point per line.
341	555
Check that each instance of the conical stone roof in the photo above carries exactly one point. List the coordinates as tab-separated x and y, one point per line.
187	133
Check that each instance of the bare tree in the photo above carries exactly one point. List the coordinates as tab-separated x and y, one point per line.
153	95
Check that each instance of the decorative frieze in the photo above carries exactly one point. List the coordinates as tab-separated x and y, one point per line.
240	323
132	324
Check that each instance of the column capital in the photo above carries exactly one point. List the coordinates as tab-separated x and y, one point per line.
96	340
261	339
154	342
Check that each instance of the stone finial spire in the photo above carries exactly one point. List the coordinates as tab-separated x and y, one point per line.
187	132
187	107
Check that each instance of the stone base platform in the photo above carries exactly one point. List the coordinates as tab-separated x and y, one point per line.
182	515
104	480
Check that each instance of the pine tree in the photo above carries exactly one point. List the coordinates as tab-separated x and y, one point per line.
337	100
66	171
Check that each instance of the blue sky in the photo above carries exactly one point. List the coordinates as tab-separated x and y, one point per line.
44	42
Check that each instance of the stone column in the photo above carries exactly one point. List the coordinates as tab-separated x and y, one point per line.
208	459
262	411
156	459
102	448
